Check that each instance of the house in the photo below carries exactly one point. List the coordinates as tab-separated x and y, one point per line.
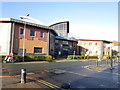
20	36
94	47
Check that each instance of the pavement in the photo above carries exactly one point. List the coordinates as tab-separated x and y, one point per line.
14	82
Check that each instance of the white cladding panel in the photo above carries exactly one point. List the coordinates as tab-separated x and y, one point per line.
5	31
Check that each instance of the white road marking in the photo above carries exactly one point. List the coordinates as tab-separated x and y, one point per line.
77	73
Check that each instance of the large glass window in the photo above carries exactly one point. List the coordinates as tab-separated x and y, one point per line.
42	34
32	33
56	41
37	50
21	31
65	42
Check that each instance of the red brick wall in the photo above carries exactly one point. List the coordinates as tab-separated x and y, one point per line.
31	41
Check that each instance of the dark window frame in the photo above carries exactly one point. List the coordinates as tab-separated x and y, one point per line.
21	31
41	34
38	49
32	33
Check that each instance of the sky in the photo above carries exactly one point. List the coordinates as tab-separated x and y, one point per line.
88	20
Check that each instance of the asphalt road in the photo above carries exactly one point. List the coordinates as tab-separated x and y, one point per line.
73	72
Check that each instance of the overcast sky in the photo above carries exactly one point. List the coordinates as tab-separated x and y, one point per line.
88	20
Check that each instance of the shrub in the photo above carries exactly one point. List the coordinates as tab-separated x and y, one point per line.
18	58
48	58
92	57
106	57
114	56
81	57
83	53
70	57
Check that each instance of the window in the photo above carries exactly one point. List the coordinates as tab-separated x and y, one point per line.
37	50
96	44
65	42
90	44
21	31
56	41
96	52
42	34
32	33
90	52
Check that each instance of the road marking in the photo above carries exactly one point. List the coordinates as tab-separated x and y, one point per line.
41	81
77	73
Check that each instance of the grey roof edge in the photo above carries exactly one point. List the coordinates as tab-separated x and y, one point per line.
58	37
59	22
96	40
28	23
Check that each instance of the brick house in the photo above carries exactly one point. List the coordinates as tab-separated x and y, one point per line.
36	39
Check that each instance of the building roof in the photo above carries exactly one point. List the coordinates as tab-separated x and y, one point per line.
66	38
28	23
94	40
58	22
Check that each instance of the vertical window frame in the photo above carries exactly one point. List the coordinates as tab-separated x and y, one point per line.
34	33
22	31
42	34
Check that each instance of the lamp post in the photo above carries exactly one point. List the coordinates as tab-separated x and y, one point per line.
24	42
111	63
74	55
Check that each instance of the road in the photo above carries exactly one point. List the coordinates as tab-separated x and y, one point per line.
73	72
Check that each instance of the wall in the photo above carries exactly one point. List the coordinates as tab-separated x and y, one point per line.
30	41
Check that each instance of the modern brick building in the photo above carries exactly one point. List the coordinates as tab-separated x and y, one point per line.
28	36
64	47
94	47
19	35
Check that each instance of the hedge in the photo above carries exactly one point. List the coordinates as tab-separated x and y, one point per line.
81	57
106	57
19	58
115	56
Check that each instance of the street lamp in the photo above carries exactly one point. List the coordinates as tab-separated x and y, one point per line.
24	42
74	55
111	64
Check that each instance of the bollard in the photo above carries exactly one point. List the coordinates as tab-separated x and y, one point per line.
23	75
96	62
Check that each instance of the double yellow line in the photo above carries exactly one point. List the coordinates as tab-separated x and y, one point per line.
45	83
40	81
